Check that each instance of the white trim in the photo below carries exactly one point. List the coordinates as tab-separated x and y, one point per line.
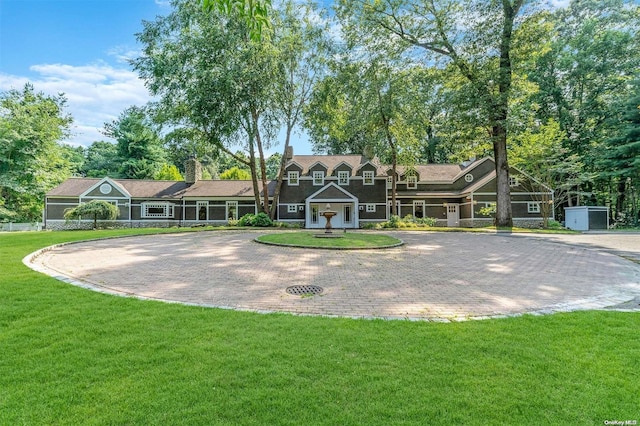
341	181
318	178
412	182
533	207
200	204
166	206
114	185
364	177
228	205
293	174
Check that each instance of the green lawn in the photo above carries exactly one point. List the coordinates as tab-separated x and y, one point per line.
72	356
342	241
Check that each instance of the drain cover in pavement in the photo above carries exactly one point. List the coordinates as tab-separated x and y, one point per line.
304	290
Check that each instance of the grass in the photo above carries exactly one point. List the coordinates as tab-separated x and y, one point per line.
348	240
72	356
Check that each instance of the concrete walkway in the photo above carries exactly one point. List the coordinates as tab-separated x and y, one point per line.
434	276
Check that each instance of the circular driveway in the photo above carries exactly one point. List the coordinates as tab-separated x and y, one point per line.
434	276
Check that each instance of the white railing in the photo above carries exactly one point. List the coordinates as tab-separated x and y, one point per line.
10	226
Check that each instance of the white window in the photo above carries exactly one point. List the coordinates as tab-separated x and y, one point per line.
343	178
412	182
314	213
418	208
318	178
292	208
293	178
390	182
157	210
371	208
202	208
514	181
367	177
468	178
232	210
533	207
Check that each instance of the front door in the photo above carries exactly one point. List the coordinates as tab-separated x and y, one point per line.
453	215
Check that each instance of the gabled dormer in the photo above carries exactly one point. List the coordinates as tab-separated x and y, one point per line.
292	172
106	189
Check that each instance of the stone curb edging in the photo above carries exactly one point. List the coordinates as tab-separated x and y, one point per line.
400	243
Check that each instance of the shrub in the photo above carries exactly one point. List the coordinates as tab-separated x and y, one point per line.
409	221
261	219
246	220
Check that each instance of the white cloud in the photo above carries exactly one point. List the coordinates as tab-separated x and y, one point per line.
96	94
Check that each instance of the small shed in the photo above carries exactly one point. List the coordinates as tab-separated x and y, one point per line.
585	218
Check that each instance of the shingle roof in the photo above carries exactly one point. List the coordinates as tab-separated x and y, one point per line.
427	172
74	187
330	161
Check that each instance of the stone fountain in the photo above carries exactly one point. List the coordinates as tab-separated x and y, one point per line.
328	229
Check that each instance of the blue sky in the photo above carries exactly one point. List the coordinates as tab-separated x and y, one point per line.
80	48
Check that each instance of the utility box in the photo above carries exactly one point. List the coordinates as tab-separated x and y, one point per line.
586	218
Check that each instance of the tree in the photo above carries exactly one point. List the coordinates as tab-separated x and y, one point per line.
255	13
590	60
168	172
368	105
216	84
235	173
539	153
101	159
479	49
302	48
621	157
97	209
31	160
139	144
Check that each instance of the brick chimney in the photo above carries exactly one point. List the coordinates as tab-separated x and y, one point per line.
192	170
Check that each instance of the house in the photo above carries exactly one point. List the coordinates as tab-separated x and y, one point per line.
357	187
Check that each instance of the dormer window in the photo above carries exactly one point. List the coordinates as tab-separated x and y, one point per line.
293	178
318	178
367	177
514	181
412	182
343	178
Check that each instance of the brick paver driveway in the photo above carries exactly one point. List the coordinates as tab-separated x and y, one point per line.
437	276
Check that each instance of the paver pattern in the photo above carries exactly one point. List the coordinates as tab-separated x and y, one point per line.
434	276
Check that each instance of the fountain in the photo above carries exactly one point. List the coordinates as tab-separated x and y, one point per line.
328	230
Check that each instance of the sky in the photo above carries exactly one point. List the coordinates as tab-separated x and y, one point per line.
80	48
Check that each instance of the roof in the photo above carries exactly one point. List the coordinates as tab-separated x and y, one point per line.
331	162
74	187
428	172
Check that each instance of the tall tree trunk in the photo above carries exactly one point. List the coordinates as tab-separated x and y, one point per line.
263	164
504	216
254	172
621	197
283	163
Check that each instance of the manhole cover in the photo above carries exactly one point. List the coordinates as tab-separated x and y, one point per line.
304	290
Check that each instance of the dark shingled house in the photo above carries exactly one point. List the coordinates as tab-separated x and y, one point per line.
358	188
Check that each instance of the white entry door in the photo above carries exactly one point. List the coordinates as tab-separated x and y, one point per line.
453	215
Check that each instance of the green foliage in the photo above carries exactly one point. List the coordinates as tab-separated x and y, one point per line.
95	209
169	172
255	14
31	160
139	145
235	173
259	220
409	221
102	159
